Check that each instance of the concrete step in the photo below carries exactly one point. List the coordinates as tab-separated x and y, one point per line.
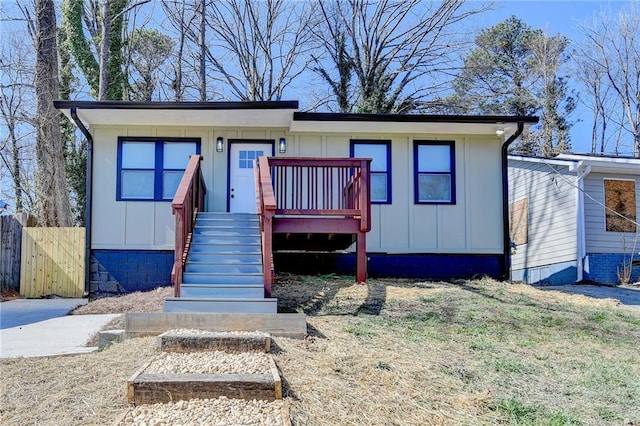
222	291
225	248
217	268
206	238
226	258
212	278
220	305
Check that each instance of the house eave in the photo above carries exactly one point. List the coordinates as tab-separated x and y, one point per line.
598	164
408	123
223	114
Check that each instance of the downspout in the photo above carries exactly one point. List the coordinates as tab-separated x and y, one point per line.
581	245
87	212
506	256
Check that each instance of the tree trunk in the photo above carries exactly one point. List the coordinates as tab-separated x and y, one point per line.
104	50
203	50
54	208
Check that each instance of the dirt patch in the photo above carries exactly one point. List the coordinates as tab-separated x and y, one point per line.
6	295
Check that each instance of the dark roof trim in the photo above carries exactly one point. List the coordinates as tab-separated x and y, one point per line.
176	105
413	118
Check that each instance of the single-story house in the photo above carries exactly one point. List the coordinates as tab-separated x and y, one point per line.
434	188
574	218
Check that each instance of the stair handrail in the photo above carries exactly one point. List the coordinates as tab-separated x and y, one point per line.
187	202
266	206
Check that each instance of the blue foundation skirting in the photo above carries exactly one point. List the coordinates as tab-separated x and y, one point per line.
382	265
115	272
603	267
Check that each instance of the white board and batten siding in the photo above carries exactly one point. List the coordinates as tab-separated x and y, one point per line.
551	216
139	225
472	225
598	240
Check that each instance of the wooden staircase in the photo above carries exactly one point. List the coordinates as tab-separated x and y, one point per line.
223	272
224	261
223	269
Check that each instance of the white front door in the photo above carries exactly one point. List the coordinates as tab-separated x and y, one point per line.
242	186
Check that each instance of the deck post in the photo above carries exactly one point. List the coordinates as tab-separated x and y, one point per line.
361	257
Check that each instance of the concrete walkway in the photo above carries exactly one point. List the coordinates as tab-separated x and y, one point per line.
41	327
26	311
628	296
58	336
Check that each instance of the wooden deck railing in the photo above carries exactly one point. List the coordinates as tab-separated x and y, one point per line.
307	187
187	202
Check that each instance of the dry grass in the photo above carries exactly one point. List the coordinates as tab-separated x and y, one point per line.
71	390
391	352
479	352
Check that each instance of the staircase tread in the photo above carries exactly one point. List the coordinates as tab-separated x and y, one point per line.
222	285
223	299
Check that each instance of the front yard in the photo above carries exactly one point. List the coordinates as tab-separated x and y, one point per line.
395	352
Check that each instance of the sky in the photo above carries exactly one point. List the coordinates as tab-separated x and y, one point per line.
555	17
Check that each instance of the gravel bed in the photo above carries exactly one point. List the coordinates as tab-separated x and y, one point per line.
193	331
220	411
211	363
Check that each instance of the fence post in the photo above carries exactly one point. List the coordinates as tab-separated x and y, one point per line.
10	250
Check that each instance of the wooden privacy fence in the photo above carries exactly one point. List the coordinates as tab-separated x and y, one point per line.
10	243
53	262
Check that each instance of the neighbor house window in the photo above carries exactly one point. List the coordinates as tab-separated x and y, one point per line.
434	172
150	169
620	205
380	153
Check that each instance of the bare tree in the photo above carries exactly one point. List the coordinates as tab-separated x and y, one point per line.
54	208
190	62
16	109
612	50
257	49
399	52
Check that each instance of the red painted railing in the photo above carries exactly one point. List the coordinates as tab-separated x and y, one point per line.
307	187
187	202
266	204
322	186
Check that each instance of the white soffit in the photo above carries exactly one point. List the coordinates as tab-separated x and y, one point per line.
445	128
168	117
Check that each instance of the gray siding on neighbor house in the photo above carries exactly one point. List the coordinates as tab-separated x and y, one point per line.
551	214
598	240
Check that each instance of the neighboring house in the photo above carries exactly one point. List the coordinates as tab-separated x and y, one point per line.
438	205
574	218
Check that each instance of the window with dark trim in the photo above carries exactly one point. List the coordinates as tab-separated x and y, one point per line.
150	169
434	172
380	153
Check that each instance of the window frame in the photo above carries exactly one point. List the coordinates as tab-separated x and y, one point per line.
387	172
417	172
158	167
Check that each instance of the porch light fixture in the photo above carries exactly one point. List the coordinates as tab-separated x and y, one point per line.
219	144
282	146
